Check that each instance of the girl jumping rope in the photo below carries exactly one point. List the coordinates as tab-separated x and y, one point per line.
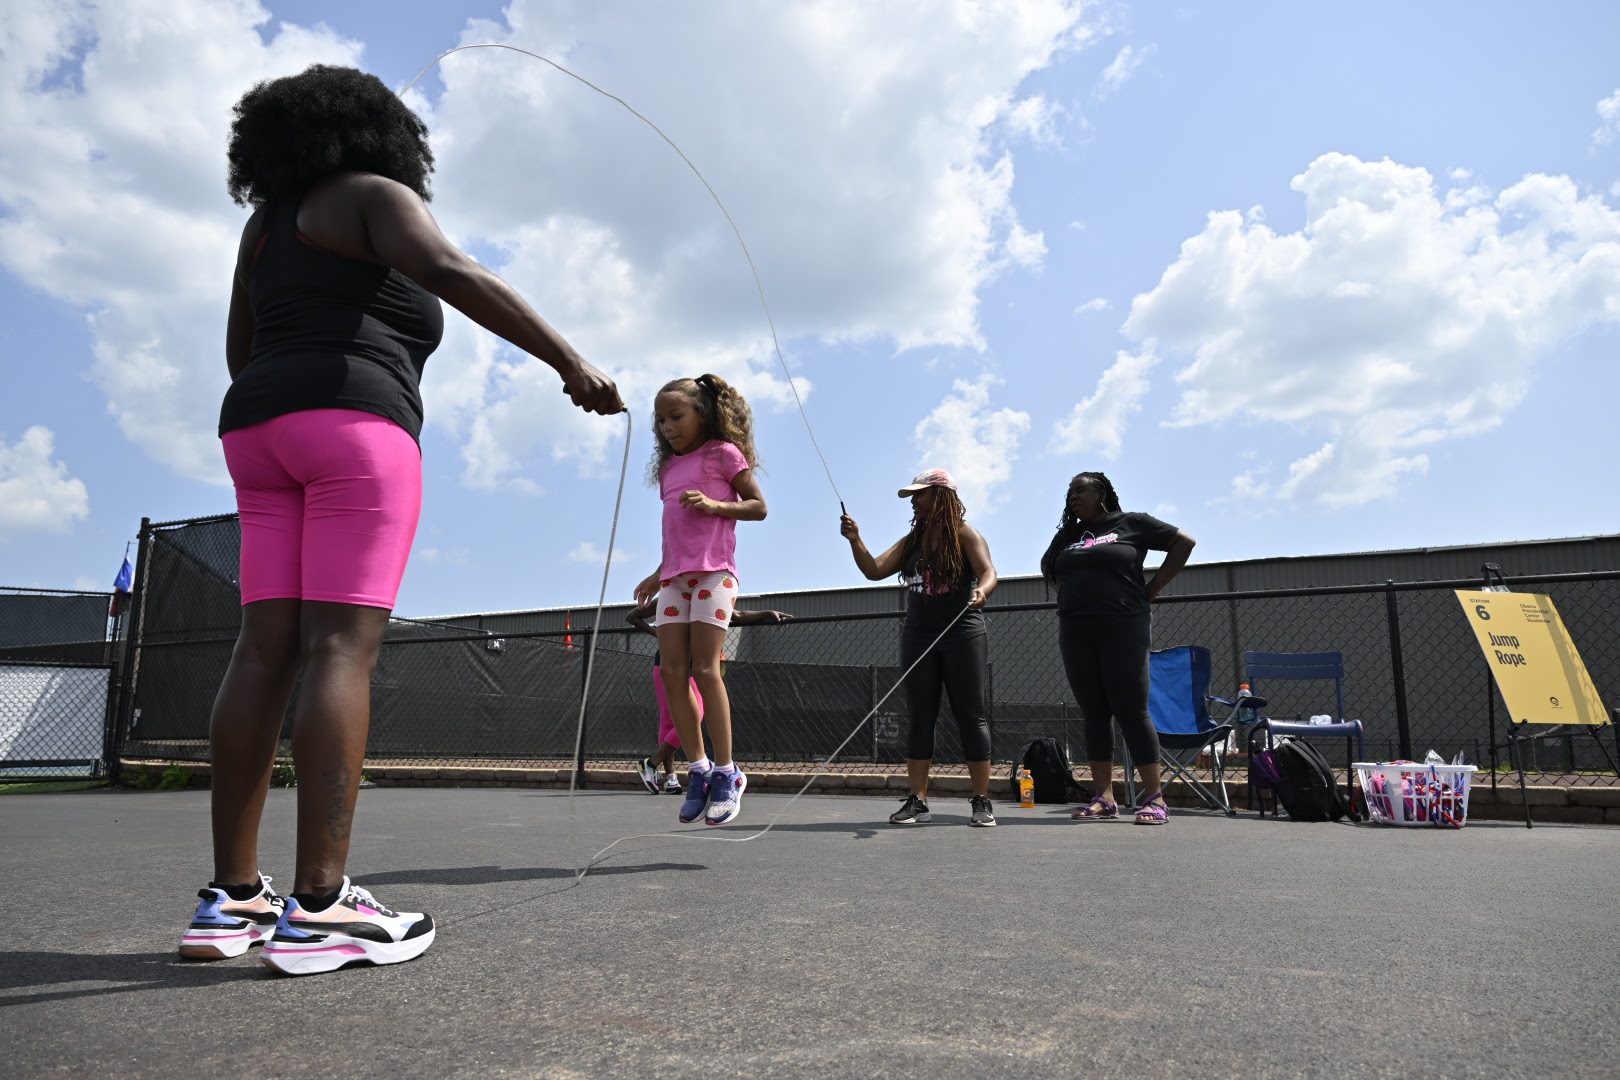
704	465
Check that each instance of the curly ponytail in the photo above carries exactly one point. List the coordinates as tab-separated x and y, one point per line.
723	411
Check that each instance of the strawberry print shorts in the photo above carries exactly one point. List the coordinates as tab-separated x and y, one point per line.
705	596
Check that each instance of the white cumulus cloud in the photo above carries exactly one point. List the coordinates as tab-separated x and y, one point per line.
856	145
861	148
1401	315
1608	111
36	492
1121	68
1098	423
1035	118
976	445
113	122
589	553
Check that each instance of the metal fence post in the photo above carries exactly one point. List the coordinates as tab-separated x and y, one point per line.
584	714
123	709
1398	670
872	704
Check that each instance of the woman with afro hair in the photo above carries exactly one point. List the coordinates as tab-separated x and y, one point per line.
334	311
1105	630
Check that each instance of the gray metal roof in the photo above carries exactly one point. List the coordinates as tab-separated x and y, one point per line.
1351	568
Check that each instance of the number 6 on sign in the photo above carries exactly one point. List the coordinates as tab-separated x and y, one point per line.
1532	658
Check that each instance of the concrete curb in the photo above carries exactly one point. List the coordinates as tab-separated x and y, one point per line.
1572	805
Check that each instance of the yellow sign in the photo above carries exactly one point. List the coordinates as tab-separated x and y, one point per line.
1534	661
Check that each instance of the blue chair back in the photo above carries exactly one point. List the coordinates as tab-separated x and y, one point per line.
1313	665
1178	679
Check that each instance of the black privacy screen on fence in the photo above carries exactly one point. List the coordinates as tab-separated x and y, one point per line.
55	667
449	691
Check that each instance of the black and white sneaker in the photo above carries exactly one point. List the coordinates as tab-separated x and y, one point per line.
913	811
983	815
649	775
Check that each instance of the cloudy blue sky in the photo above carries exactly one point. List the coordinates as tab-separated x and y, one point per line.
1301	278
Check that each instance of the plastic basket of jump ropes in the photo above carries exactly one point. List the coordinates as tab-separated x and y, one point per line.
1417	793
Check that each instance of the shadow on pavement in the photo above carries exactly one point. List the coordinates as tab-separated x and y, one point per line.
132	971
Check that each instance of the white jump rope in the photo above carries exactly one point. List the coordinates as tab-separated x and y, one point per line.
583	868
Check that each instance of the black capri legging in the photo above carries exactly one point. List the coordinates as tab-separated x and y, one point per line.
957	666
1106	659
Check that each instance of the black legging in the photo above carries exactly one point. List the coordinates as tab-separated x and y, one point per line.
956	665
1106	659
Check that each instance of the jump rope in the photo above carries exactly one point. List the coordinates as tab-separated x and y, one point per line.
581	868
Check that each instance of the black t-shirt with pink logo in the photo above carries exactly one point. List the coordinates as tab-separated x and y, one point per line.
1099	568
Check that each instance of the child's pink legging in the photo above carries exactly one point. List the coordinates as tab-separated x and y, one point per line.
666	722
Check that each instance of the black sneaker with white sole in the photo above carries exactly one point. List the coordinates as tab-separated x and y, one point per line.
913	811
983	815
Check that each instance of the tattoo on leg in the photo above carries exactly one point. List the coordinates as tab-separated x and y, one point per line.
338	815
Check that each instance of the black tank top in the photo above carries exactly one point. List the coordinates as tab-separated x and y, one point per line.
330	333
930	606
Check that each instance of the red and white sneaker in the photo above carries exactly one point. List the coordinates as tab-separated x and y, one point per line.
223	927
356	928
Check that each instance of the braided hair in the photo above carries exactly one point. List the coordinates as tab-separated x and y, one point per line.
1070	527
945	564
723	411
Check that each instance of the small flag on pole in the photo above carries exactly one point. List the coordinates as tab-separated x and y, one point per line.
122	586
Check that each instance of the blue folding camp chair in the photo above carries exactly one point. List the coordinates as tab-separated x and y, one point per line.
1326	665
1178	689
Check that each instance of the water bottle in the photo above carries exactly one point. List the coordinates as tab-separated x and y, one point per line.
1026	788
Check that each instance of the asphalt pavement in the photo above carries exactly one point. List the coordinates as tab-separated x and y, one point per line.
834	946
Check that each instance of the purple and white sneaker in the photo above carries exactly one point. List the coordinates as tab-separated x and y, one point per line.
697	796
222	927
725	796
356	928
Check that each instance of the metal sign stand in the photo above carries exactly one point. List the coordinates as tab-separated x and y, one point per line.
1518	733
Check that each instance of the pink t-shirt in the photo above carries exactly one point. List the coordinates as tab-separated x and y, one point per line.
695	542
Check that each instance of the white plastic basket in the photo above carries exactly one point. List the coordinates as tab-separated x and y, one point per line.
1407	793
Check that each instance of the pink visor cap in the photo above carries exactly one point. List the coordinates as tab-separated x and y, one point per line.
926	479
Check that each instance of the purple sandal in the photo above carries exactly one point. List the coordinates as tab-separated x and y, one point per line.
1154	811
1099	809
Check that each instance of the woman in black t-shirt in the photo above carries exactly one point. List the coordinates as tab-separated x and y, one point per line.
945	565
1095	560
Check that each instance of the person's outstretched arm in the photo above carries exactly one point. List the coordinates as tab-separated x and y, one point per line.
752	618
369	217
638	619
874	568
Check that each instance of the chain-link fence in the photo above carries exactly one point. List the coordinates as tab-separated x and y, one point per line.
56	658
448	693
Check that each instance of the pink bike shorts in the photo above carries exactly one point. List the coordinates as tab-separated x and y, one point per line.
329	500
666	722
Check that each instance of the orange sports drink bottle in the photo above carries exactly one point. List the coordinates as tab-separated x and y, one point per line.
1026	788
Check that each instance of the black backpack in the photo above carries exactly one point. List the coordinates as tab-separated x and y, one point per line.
1308	789
1048	766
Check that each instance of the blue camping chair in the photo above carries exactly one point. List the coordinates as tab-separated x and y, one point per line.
1178	696
1326	665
